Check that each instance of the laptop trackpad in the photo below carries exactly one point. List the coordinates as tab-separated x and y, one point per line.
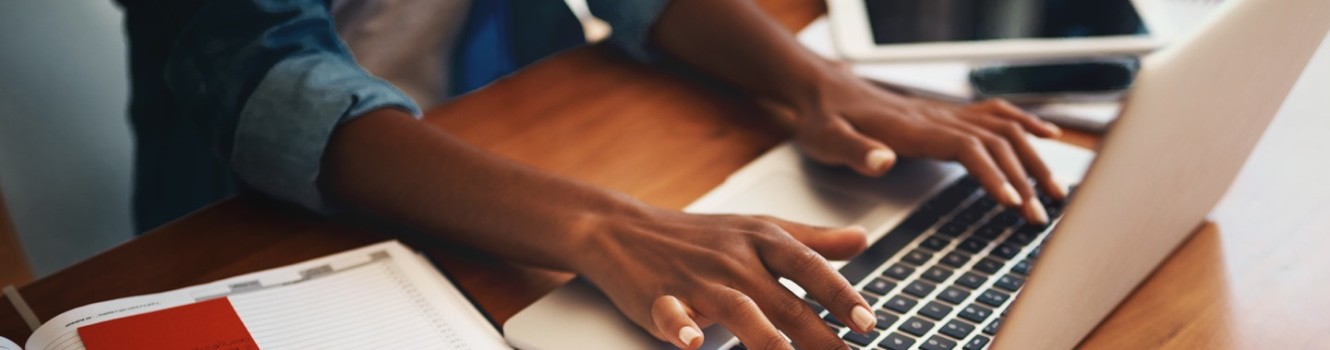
791	197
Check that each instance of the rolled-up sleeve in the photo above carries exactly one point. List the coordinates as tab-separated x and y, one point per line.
631	21
269	81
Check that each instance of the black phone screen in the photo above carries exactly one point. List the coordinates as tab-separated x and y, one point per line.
1054	78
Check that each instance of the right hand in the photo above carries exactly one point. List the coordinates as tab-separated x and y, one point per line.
673	273
854	123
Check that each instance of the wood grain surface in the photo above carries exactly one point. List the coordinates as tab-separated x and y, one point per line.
668	138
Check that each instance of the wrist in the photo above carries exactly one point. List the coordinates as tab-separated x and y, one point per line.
808	87
591	231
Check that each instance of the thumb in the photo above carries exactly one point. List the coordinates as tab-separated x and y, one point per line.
674	323
844	145
832	243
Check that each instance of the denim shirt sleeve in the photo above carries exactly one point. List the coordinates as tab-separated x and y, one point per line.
268	81
631	22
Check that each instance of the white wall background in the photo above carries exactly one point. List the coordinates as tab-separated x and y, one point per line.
65	146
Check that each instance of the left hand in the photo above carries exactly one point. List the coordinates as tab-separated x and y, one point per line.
851	122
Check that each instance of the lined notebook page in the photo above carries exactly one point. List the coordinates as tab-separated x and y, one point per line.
368	305
382	296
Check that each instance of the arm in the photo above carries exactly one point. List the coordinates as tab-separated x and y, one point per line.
681	264
286	105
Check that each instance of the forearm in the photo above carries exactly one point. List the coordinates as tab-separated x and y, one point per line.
392	165
738	43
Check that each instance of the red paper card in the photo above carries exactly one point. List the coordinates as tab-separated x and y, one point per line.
205	325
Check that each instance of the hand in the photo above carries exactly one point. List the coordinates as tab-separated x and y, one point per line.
853	123
673	273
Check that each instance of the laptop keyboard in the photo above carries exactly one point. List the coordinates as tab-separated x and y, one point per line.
943	278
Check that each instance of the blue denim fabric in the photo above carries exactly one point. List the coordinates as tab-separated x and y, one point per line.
631	21
254	89
272	78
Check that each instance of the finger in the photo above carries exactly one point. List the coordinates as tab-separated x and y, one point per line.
832	243
812	272
741	315
1030	122
793	316
841	144
973	154
1034	164
674	322
1001	151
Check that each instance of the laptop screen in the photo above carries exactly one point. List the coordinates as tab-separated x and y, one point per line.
922	21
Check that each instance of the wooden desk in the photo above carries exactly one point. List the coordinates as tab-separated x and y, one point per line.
1254	280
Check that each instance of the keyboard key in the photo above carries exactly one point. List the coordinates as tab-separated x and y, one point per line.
1023	238
1010	282
973	245
1007	218
975	313
901	304
937	343
880	286
883	249
935	243
972	281
917	257
937	274
976	343
872	300
1022	267
955	259
916	326
1005	251
920	288
899	271
953	295
990	231
896	341
862	339
935	310
817	308
885	319
933	210
957	329
992	328
993	298
969	216
1032	229
984	203
833	321
988	266
958	191
952	229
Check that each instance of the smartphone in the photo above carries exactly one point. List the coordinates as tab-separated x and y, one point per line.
1099	79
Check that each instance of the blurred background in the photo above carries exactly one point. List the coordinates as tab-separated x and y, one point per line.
65	147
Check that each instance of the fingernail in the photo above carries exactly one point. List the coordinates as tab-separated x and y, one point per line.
1036	211
859	228
1054	127
879	158
863	318
1011	194
1059	191
688	334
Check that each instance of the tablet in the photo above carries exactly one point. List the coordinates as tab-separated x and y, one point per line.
898	30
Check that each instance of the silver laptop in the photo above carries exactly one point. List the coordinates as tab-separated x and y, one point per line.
947	265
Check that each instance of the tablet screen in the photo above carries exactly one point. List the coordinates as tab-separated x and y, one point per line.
920	21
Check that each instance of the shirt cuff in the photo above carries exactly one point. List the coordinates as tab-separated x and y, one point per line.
631	23
286	123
